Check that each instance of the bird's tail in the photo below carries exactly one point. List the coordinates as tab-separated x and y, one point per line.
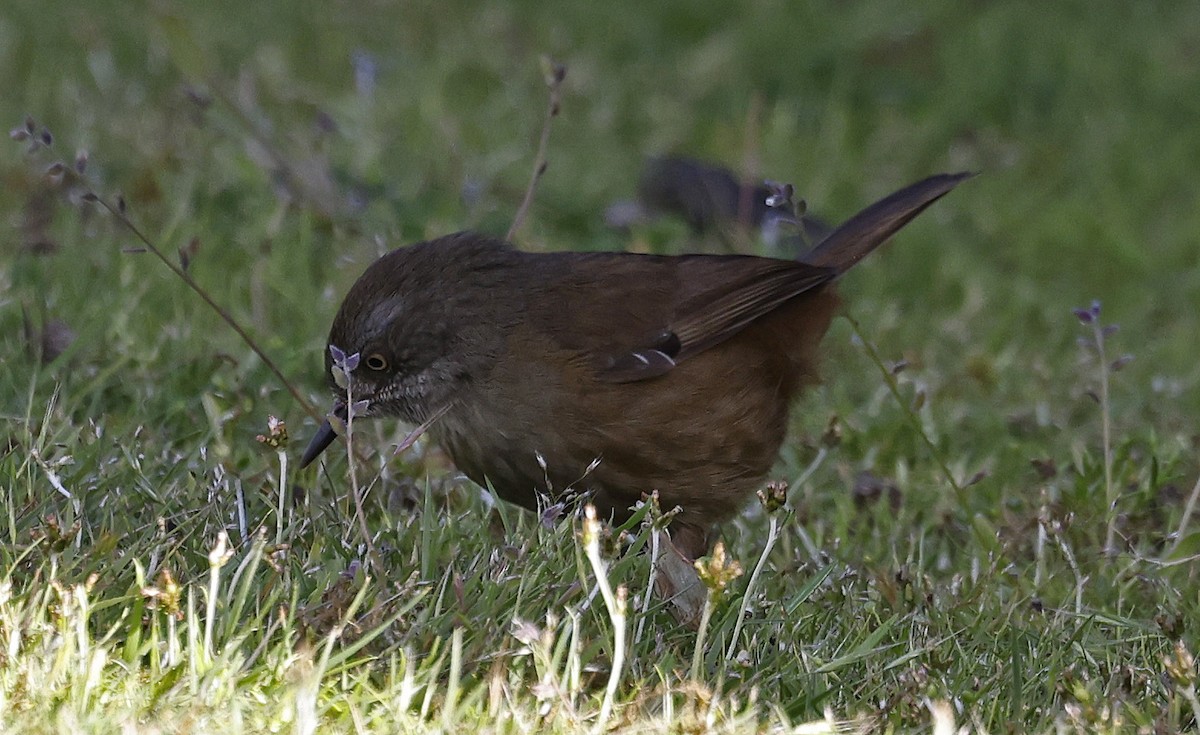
871	227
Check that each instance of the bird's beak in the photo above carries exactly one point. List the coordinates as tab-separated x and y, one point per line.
322	439
324	436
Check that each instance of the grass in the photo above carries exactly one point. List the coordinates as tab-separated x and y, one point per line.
164	571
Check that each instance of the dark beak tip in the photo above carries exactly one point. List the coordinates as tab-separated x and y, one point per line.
320	441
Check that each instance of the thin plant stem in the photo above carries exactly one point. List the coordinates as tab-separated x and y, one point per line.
1080	580
702	634
190	282
650	582
1188	510
805	540
283	494
1110	494
772	537
812	467
360	514
616	604
216	559
554	79
909	414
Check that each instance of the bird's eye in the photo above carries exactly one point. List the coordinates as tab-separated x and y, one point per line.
376	362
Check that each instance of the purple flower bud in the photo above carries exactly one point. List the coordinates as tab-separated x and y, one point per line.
341	360
1090	314
1120	362
551	514
1110	330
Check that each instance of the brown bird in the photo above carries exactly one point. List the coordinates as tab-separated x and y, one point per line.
600	375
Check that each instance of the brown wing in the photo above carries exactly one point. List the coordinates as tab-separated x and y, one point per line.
717	297
633	317
718	311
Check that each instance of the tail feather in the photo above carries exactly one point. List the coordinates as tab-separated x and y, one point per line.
871	227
